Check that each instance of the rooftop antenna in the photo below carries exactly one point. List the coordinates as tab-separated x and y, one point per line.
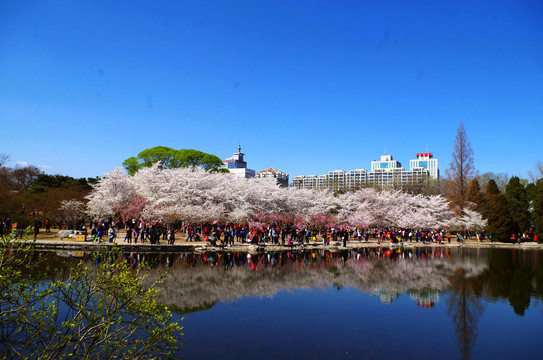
385	150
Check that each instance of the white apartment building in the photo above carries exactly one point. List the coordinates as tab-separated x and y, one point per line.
385	163
426	161
386	173
271	173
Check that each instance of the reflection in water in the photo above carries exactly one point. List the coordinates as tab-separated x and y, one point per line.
465	309
199	279
515	275
196	279
467	277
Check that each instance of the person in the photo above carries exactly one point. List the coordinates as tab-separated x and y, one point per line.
47	226
189	233
158	232
100	234
111	234
136	233
171	235
143	233
151	234
128	237
37	225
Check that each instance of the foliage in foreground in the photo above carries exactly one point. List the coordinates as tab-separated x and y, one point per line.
103	312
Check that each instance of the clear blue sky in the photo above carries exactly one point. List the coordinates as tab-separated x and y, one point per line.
305	86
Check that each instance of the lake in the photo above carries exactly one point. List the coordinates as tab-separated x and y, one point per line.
424	303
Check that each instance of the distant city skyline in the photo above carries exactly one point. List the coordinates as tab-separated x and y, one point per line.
386	173
304	86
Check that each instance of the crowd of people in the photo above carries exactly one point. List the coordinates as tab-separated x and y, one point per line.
224	234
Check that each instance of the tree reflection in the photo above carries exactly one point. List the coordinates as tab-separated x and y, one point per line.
195	280
511	275
466	309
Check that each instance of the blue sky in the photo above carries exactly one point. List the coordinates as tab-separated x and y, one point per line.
304	86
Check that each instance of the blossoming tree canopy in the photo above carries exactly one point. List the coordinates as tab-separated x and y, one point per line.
171	158
167	194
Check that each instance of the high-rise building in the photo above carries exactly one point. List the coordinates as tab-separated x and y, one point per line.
386	173
426	161
237	166
385	163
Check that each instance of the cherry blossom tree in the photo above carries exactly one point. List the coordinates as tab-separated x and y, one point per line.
111	194
71	210
473	220
196	196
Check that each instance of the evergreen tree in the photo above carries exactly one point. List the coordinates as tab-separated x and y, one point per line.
492	189
531	192
538	218
475	195
500	224
518	204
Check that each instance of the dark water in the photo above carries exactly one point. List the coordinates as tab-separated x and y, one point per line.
426	303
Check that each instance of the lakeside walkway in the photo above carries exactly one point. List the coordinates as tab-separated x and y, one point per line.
48	241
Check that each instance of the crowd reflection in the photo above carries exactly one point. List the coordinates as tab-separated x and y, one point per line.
260	261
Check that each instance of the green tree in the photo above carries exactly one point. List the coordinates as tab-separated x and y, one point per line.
517	199
194	158
171	158
500	225
131	165
492	189
166	155
538	218
475	195
99	312
531	192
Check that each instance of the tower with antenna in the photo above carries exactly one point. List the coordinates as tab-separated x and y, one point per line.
238	166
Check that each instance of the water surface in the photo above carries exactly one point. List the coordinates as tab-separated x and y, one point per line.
424	303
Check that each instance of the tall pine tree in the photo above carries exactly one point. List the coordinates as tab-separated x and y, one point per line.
537	209
492	189
475	195
538	218
500	224
518	204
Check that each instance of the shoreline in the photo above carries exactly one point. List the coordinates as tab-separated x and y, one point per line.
184	246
